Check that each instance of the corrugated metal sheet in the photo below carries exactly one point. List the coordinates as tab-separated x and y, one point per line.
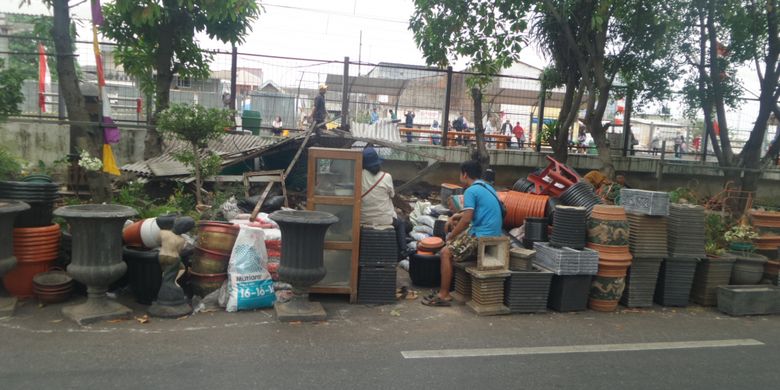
232	148
383	130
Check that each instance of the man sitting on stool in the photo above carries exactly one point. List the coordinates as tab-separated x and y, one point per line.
480	217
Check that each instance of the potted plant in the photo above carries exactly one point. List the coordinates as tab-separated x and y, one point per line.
196	125
740	237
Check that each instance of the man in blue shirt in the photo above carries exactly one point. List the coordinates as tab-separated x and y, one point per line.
480	217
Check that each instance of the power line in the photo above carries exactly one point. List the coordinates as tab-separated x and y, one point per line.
329	12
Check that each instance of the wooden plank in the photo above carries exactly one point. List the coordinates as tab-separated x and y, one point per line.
417	177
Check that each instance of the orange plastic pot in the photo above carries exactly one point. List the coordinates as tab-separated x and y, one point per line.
19	281
32	250
33	241
39	256
520	205
131	235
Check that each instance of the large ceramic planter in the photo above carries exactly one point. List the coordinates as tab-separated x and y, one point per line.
608	225
711	272
206	261
748	269
8	212
97	257
301	265
217	236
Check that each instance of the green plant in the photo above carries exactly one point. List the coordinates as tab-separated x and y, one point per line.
196	126
740	233
10	167
683	195
715	226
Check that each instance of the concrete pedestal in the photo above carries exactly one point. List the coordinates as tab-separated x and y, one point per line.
299	308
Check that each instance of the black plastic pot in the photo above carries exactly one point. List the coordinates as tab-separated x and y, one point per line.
580	194
569	292
569	227
144	273
425	270
675	279
535	231
39	214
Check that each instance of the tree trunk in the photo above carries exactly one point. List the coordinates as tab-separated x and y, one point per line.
198	177
599	131
82	135
481	153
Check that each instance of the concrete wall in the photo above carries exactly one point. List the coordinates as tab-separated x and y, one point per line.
706	179
47	142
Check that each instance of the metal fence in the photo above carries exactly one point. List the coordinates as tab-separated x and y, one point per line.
375	98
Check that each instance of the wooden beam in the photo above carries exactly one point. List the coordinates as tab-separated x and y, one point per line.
423	172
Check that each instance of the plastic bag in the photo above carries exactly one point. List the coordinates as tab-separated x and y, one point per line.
426	220
419	236
249	283
423	229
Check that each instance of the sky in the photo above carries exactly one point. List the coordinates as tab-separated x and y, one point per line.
331	30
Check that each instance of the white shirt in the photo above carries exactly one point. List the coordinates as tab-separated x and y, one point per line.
377	206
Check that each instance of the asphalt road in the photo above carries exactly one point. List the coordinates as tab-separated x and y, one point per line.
360	347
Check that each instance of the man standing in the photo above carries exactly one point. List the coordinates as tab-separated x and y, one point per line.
480	217
409	123
506	128
519	134
374	116
320	114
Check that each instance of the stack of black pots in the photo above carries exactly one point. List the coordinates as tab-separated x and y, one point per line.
39	192
580	194
535	231
569	227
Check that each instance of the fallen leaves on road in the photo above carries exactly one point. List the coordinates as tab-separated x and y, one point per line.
117	321
143	319
56	321
395	313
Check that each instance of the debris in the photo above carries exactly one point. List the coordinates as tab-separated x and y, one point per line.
395	313
56	321
143	319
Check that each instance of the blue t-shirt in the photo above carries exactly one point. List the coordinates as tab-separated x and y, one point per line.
481	198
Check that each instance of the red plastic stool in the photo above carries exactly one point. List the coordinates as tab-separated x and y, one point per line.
554	179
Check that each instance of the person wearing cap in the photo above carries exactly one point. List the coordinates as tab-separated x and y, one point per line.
377	197
320	114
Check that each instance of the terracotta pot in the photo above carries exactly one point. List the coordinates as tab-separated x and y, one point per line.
772	267
36	231
765	218
608	226
37	241
767	242
606	291
18	281
430	244
205	261
217	236
131	235
204	284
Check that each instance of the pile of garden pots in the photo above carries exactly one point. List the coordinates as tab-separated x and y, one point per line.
36	240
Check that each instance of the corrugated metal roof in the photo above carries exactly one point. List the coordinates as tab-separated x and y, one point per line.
232	148
382	130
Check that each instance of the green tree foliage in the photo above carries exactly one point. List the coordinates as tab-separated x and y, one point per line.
488	34
10	90
26	42
593	42
196	126
156	41
722	36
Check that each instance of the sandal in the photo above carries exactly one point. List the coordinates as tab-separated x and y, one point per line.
436	301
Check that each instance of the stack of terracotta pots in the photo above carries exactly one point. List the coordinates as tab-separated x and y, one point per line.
608	233
212	254
520	206
767	223
35	249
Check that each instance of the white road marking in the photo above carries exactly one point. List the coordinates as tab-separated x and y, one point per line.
481	352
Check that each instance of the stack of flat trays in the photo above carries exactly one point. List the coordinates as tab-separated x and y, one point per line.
711	273
378	245
640	282
566	261
674	281
376	283
527	291
462	293
654	203
580	194
647	236
686	235
570	227
487	291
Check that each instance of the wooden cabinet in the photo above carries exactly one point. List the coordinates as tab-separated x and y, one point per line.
334	186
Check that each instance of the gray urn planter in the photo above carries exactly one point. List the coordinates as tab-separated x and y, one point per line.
97	258
301	265
748	269
8	212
